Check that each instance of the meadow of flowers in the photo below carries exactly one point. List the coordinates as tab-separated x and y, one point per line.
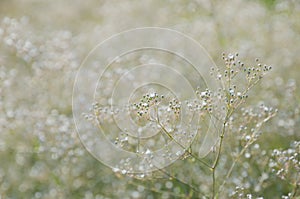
236	137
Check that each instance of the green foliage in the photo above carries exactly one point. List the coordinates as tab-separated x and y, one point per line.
42	45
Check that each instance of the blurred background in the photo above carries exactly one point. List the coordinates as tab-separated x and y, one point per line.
42	44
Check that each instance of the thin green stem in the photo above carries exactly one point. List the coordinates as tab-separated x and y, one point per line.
216	162
172	138
214	183
296	187
228	114
178	180
250	142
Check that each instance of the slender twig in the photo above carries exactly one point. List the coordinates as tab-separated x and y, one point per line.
178	180
250	142
294	193
227	116
173	139
215	164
